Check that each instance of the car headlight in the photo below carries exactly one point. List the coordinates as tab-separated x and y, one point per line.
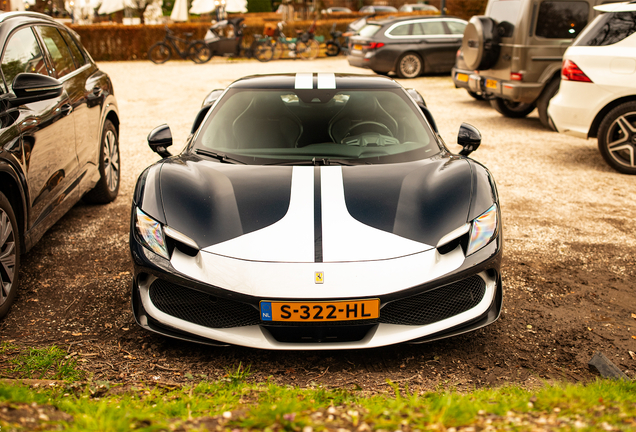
150	232
483	230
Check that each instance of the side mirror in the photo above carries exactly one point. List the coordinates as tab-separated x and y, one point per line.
469	138
32	87
159	139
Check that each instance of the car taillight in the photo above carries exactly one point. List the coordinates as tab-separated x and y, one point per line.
375	45
571	72
516	76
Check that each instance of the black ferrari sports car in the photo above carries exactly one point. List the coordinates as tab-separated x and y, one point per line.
315	211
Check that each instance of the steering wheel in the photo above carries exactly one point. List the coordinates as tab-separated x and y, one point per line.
368	127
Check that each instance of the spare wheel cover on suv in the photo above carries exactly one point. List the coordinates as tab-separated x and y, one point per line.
481	43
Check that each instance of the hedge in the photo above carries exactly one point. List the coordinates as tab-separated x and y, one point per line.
116	42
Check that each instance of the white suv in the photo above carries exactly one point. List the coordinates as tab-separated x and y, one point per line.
597	96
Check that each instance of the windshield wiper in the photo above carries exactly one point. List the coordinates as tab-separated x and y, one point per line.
326	162
219	156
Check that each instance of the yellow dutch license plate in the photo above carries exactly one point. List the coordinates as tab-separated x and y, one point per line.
491	84
346	310
357	47
462	77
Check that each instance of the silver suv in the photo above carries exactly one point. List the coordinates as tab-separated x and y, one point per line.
513	53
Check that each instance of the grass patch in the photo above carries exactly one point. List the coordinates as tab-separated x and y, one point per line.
46	363
232	403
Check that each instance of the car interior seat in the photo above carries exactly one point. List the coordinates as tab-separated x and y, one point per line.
266	123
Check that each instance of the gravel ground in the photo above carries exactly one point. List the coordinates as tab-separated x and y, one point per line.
569	260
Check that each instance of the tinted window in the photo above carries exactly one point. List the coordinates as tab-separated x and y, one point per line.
78	57
22	54
561	20
456	27
369	30
401	30
430	28
369	126
58	50
608	29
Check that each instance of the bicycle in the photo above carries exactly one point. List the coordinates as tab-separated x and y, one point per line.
197	50
226	38
304	46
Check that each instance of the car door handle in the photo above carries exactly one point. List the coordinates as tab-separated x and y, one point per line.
67	109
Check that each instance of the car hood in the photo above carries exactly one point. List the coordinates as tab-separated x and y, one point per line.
312	213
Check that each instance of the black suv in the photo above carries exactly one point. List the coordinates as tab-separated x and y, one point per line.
59	128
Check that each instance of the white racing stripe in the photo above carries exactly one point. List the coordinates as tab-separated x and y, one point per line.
326	81
304	81
346	239
291	239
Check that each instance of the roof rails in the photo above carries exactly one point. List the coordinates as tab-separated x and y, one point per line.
8	15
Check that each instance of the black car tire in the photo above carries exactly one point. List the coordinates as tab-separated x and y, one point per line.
480	45
199	52
332	49
544	100
511	109
409	65
9	255
107	187
617	138
159	53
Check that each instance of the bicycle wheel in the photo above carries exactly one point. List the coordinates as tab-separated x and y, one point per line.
308	50
279	48
159	53
263	51
199	52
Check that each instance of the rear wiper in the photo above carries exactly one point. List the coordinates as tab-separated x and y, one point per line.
219	156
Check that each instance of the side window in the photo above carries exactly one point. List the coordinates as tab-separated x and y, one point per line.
57	48
561	19
431	28
401	30
609	29
22	54
78	56
456	27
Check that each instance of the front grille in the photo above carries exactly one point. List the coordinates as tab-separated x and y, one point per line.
318	334
435	305
200	308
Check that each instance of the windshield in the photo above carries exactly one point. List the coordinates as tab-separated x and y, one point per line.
353	126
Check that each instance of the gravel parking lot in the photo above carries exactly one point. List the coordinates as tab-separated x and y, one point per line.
569	261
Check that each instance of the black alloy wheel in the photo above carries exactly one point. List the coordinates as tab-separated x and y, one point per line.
199	52
409	66
617	138
107	187
159	53
9	255
511	109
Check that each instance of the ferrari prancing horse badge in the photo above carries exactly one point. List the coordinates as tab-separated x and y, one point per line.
320	277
